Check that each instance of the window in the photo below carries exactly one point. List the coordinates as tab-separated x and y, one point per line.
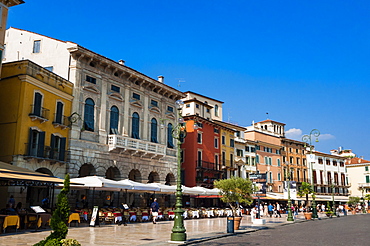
207	110
223	158
58	146
327	162
247	148
278	152
59	113
216	110
197	105
188	105
199	158
253	150
115	88
320	161
135	96
298	161
367	179
50	68
153	131
169	109
37	104
199	138
367	168
135	125
114	119
257	147
36	46
232	143
231	160
279	176
89	120
239	152
216	162
223	139
154	103
216	130
216	143
90	79
278	162
36	143
334	163
169	136
257	159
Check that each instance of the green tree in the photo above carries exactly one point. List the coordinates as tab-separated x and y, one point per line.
59	218
353	200
235	191
305	190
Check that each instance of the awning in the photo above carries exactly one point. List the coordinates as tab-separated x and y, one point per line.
14	175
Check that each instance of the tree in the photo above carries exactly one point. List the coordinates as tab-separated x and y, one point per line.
235	191
353	200
367	198
305	190
59	218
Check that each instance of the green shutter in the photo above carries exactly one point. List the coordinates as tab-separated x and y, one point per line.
367	179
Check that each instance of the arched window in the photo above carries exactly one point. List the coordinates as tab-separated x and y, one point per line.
89	115
114	117
169	136
153	131
135	126
216	110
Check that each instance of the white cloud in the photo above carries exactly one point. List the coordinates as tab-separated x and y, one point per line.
326	136
294	133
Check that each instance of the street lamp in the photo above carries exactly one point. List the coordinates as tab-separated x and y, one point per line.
332	191
308	140
290	215
179	133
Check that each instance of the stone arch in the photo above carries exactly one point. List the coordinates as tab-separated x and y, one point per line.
87	169
135	175
170	179
153	177
44	171
113	173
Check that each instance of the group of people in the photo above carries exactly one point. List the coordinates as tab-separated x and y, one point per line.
266	210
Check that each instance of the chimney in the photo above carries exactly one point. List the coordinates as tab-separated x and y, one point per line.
160	78
121	62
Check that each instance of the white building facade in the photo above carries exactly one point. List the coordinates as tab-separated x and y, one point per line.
117	111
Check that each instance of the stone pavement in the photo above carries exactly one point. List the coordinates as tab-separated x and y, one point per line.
197	230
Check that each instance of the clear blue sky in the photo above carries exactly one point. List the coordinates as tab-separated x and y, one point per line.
306	63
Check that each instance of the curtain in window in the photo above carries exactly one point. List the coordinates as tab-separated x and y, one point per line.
169	136
114	118
89	115
135	125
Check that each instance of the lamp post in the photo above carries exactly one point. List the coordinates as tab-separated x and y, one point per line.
308	140
290	215
179	133
332	195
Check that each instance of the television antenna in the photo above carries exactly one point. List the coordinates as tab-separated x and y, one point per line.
180	80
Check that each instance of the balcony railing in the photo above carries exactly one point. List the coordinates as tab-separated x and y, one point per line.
61	120
45	153
140	147
39	113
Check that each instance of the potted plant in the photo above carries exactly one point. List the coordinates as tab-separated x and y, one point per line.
305	190
235	191
352	202
329	212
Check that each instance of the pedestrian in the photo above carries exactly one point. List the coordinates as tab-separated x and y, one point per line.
266	211
270	209
254	213
45	202
345	209
154	207
11	201
278	209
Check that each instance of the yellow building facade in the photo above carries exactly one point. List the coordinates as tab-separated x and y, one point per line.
227	151
34	117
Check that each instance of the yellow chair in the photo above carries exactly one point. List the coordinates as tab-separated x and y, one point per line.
11	220
74	217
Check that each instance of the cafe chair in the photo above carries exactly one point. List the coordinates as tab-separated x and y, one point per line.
74	217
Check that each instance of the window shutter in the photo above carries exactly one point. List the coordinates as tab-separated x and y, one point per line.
62	150
41	144
29	147
52	146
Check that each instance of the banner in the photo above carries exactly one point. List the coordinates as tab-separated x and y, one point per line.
292	190
94	216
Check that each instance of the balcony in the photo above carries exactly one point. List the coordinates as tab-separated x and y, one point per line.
39	113
250	154
364	185
139	147
45	153
250	168
207	166
61	121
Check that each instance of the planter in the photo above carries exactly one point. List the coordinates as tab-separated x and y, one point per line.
308	216
237	221
368	211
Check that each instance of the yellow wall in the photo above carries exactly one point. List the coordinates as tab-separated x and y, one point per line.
19	82
226	147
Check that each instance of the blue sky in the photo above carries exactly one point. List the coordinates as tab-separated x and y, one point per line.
305	63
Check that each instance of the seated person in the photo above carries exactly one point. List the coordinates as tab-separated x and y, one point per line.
9	210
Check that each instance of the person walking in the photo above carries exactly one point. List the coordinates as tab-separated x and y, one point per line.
271	209
278	209
154	208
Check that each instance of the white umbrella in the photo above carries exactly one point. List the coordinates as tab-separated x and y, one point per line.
194	190
166	188
139	186
100	183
